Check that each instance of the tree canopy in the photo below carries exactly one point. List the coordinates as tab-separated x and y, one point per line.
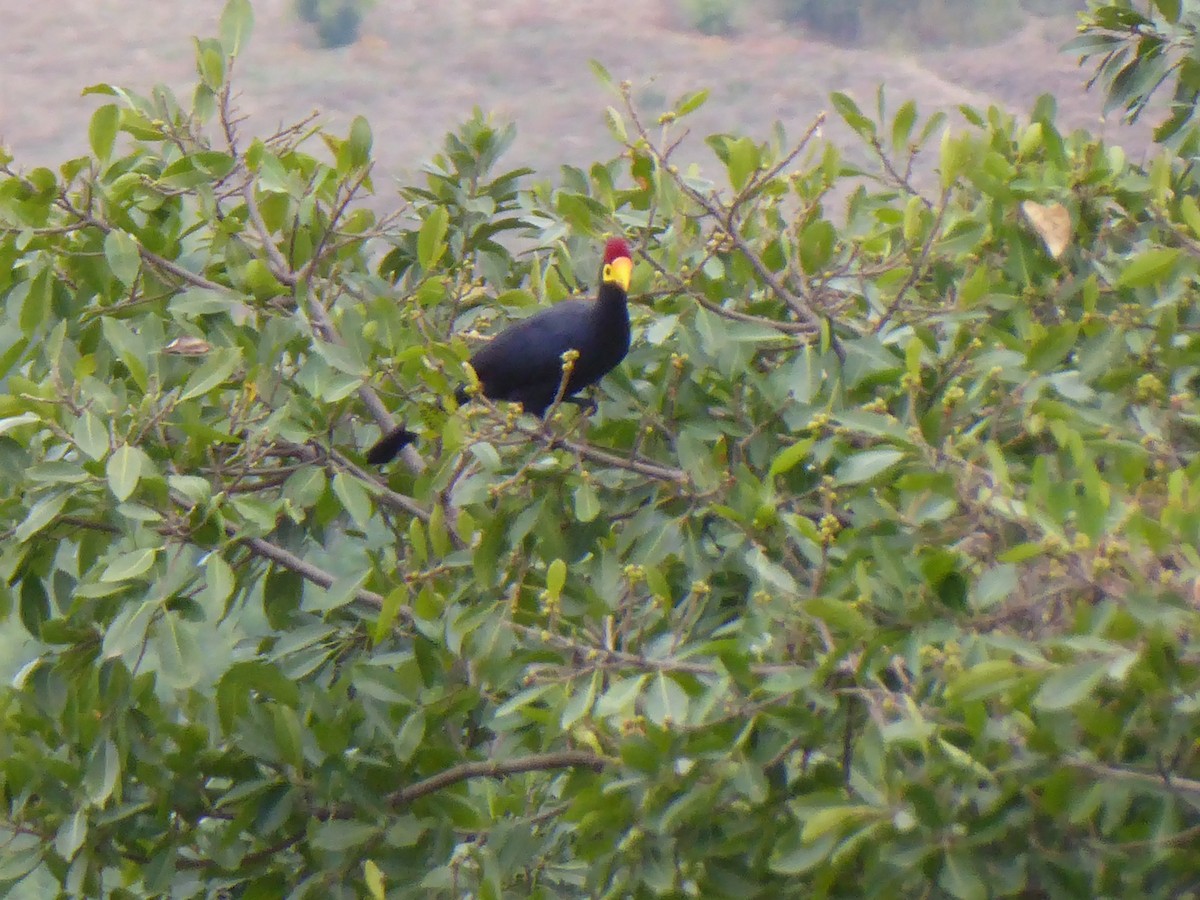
874	573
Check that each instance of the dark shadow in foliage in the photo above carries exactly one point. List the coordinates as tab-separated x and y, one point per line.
338	22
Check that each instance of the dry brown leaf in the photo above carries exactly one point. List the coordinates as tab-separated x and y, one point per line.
188	346
1052	223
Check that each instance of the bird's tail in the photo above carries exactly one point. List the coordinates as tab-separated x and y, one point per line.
385	449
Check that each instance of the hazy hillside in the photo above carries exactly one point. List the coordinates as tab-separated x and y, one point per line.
424	66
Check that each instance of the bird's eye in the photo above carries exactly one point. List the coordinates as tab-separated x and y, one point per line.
607	274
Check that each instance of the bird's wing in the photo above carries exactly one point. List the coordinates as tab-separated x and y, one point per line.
530	351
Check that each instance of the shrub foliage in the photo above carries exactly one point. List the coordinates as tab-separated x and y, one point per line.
873	575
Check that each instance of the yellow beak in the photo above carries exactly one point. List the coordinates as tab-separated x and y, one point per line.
619	271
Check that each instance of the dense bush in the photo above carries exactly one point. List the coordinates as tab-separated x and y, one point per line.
1136	54
715	17
833	19
338	23
873	575
925	24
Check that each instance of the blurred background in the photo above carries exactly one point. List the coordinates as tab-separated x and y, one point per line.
417	69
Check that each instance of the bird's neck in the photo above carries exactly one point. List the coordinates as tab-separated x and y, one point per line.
611	298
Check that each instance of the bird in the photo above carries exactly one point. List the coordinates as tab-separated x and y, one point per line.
524	362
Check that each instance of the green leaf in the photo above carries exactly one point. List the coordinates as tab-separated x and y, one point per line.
355	153
373	876
124	469
287	734
1070	685
126	634
902	126
354	498
621	697
743	162
335	835
792	856
1169	9
1148	268
867	465
37	301
344	590
838	615
129	566
816	246
123	257
431	240
961	880
8	424
954	153
834	818
992	676
616	125
1052	348
601	73
35	604
408	739
219	581
580	703
210	63
587	503
691	103
237	23
71	835
91	435
215	370
40	515
18	861
853	116
665	702
103	770
556	579
129	347
789	457
342	357
102	132
193	487
996	584
282	592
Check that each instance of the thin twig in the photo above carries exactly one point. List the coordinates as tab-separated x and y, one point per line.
293	563
537	762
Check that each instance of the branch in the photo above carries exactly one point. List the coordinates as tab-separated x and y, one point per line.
1170	784
653	470
306	570
275	260
147	256
293	563
382	492
726	215
605	658
902	180
537	762
918	268
283	271
787	328
587	451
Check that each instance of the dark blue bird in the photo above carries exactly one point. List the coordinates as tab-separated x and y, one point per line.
524	363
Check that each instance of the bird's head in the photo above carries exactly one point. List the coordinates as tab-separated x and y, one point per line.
618	267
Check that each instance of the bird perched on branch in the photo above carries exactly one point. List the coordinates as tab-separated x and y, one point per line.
525	362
